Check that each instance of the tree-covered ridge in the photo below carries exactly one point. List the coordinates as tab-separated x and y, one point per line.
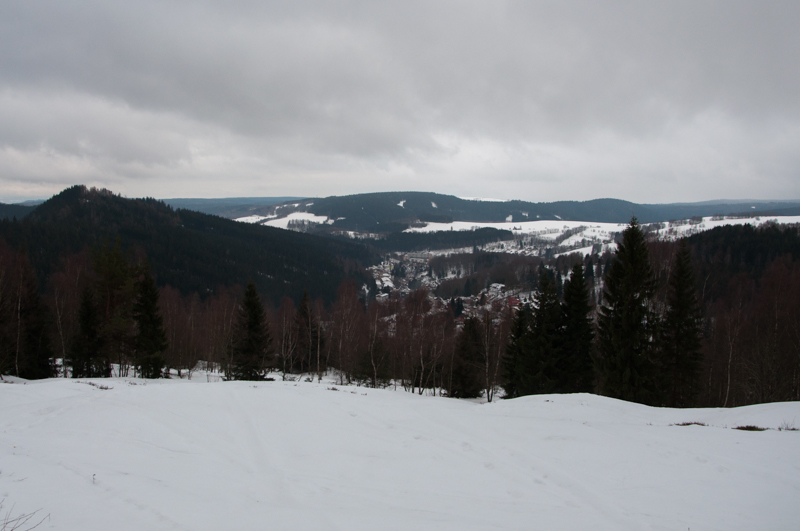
372	212
229	207
388	212
14	211
190	251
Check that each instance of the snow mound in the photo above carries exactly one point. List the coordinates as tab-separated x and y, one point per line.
175	454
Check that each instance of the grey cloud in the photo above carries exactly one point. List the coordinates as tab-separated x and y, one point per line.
342	97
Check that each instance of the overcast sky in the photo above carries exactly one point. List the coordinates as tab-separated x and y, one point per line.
542	101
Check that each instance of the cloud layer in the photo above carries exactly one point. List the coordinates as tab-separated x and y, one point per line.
542	101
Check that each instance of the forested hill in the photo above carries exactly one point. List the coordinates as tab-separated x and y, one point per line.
14	211
388	212
231	207
191	251
371	211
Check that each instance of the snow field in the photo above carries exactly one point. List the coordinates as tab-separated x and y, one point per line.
552	229
283	222
546	229
176	454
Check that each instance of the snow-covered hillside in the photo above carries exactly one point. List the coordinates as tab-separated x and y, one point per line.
562	236
552	229
296	455
589	237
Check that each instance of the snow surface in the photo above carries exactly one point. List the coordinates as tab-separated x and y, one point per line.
709	223
487	199
255	219
175	454
544	228
598	232
283	223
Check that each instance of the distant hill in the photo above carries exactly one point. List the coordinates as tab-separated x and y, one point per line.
230	207
389	212
782	211
191	251
11	211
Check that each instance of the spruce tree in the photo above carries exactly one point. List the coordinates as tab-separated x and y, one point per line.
150	340
466	380
681	334
37	356
517	349
540	367
577	367
627	324
86	351
116	292
252	341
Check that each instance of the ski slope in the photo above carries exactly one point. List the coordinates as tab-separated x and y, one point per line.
193	455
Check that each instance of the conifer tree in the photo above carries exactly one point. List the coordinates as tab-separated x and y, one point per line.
540	367
252	341
577	365
681	334
517	349
86	358
150	340
37	356
627	324
116	292
466	379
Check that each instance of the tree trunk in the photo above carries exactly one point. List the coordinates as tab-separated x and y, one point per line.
60	328
19	326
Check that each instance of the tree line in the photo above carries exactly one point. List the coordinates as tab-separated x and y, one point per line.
640	325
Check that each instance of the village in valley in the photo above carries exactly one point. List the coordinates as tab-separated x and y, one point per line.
400	273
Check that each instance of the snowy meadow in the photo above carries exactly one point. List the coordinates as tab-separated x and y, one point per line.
177	454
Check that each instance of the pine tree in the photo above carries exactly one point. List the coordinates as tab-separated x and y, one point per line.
308	334
252	341
517	349
681	334
466	381
577	365
627	324
150	340
116	292
540	366
86	358
37	356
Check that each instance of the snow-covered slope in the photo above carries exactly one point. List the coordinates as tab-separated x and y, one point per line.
564	236
284	221
582	236
281	455
552	229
